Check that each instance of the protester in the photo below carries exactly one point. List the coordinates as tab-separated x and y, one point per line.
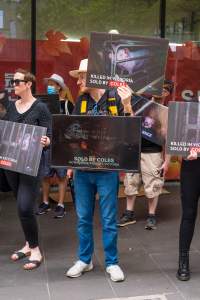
167	91
190	193
88	183
56	85
154	166
27	110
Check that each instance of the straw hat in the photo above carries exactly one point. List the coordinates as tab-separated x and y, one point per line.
58	79
113	31
82	68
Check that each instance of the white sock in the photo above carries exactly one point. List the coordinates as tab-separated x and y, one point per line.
46	202
60	204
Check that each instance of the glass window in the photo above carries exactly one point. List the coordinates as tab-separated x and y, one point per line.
183	28
78	18
1	19
74	20
15	45
183	20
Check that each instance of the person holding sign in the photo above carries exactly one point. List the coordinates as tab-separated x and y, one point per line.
154	165
28	110
190	193
88	183
56	85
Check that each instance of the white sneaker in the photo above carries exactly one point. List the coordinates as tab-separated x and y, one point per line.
116	273
78	268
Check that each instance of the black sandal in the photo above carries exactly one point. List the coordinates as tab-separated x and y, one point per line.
20	255
36	264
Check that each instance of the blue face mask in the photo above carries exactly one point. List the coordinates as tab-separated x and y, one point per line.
51	90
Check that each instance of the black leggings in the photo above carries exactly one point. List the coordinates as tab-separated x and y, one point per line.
190	193
26	190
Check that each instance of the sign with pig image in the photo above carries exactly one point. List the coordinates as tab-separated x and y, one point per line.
119	60
154	118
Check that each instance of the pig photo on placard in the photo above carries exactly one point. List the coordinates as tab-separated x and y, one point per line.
116	59
154	118
183	128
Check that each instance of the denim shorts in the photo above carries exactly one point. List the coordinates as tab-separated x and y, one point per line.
47	170
60	172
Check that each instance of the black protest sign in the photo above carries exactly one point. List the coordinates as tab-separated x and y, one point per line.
183	128
20	147
52	102
154	118
96	142
115	60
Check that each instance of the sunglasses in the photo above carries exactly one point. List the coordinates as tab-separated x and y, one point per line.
16	82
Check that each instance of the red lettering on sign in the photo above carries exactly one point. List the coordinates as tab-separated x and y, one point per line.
113	83
5	163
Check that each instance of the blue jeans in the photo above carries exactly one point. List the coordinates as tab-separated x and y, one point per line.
86	185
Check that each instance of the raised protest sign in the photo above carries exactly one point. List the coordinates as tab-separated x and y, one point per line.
96	142
154	119
116	59
20	147
183	128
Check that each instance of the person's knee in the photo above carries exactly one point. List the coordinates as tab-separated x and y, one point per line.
190	217
25	213
189	214
110	223
84	218
25	210
85	226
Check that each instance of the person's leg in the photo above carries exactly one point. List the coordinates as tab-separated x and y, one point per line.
151	219
46	172
45	189
107	188
62	183
152	205
44	207
153	184
130	203
59	211
26	189
13	180
27	194
85	191
190	192
132	183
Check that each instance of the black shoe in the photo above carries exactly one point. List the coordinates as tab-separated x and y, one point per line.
59	212
43	208
151	222
127	218
183	272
